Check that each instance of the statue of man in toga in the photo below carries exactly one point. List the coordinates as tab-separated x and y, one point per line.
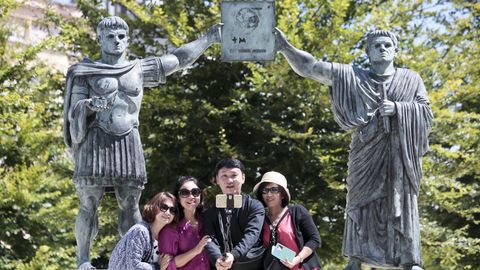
388	110
101	108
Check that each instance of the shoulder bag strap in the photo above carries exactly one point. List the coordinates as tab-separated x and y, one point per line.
274	229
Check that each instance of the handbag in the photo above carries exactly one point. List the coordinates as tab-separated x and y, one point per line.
274	264
254	260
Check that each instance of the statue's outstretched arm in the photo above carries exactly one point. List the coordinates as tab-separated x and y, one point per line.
187	54
303	63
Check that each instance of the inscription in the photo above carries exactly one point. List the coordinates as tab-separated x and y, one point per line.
248	30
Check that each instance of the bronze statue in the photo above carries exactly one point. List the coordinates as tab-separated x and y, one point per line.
101	107
388	109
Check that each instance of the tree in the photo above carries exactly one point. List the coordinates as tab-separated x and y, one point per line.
35	194
451	213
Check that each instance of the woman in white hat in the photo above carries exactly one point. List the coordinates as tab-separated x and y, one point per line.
286	224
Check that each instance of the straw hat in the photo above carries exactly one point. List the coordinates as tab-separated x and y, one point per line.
276	178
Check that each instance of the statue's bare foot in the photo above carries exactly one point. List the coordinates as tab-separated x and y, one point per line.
353	264
86	266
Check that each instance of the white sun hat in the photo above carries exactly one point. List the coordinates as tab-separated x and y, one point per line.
276	178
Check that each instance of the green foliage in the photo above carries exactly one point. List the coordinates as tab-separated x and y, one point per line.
451	186
262	113
36	196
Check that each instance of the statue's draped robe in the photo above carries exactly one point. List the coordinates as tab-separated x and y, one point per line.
101	157
384	169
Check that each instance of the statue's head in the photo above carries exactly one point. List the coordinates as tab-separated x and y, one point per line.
382	45
112	35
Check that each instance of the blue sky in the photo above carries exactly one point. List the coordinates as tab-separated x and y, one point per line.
63	1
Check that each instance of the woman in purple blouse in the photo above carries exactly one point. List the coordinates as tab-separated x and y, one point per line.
181	246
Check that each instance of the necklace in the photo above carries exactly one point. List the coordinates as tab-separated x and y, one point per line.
276	219
193	223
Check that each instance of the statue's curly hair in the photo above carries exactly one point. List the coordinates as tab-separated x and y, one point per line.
382	33
112	22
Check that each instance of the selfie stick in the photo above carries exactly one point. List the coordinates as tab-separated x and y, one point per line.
227	238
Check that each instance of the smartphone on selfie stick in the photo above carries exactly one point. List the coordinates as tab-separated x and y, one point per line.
227	202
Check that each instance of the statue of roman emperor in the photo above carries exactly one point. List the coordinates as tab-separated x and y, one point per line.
388	110
101	119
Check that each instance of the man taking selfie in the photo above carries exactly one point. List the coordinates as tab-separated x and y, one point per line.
235	228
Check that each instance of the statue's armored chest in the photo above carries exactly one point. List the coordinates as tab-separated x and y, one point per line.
129	83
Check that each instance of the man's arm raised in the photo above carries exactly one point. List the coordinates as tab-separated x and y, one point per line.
187	54
303	63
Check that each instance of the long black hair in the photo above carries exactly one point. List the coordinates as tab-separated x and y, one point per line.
182	180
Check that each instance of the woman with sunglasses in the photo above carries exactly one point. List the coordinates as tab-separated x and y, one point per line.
286	224
181	246
135	250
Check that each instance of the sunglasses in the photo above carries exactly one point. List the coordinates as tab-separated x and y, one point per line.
185	193
272	190
164	208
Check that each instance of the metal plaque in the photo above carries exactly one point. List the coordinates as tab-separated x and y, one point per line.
247	32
